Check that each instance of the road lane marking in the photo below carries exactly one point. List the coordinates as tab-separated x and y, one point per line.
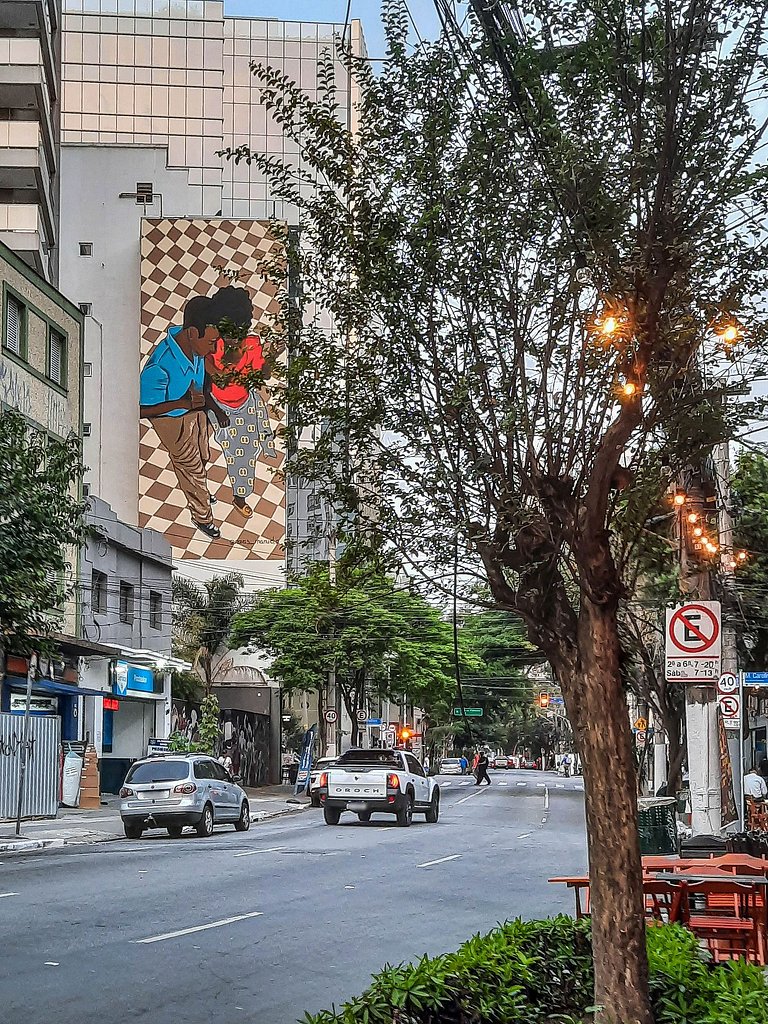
441	860
4	894
525	835
271	849
503	783
446	784
559	785
465	783
522	783
198	928
464	799
546	798
540	785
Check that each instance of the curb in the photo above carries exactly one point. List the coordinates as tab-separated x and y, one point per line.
30	845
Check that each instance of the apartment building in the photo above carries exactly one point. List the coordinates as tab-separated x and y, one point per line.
29	131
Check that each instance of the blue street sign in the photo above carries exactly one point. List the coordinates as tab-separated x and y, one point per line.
756	678
373	721
556	702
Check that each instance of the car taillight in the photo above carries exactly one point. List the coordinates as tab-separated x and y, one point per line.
125	792
186	788
323	780
393	782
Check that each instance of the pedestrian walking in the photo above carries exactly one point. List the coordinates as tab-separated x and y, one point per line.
464	765
482	769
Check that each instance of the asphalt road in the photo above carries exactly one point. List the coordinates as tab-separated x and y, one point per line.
291	916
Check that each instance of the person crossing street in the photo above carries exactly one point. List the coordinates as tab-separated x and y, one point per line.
482	769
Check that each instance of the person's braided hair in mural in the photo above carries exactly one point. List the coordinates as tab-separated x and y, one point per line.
236	369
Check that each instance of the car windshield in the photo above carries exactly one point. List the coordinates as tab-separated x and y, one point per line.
450	760
158	771
387	758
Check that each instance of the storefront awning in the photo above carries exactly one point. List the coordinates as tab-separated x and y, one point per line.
65	690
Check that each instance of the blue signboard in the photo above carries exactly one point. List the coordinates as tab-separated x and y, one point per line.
132	679
305	761
373	721
756	678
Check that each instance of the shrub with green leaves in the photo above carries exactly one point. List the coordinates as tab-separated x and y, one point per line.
540	972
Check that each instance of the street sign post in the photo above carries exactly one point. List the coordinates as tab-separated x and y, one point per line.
756	678
730	706
641	724
693	643
727	683
469	712
330	716
361	716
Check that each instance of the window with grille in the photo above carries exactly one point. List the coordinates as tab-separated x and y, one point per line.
155	610
56	355
14	325
98	592
86	248
126	602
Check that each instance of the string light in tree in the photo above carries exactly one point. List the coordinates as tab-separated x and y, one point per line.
679	498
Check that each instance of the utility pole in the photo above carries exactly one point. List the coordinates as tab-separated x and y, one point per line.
729	661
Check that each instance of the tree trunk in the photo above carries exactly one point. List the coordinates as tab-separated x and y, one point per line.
604	742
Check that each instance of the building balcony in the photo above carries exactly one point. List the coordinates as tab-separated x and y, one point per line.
25	174
33	19
25	86
21	229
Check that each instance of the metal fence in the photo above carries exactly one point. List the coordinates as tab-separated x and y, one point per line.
41	789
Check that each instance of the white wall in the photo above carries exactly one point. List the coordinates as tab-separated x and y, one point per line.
92	178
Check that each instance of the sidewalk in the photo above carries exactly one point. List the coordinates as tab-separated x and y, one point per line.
75	826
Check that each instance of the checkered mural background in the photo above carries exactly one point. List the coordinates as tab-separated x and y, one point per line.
179	259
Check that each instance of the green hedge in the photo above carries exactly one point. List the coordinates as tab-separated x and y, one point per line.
540	972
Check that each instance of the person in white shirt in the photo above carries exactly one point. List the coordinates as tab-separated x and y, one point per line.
754	785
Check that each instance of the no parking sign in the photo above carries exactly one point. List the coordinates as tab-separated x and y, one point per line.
693	641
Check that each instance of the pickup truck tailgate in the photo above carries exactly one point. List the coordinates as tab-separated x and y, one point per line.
357	782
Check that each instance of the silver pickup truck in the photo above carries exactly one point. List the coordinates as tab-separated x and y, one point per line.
378	780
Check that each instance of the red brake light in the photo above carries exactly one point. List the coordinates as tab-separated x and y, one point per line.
323	780
393	782
186	788
125	792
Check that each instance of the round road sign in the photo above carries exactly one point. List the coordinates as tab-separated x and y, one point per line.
728	683
362	716
330	716
694	629
729	707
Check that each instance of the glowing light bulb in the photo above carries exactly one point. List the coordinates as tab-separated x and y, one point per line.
742	556
679	498
629	389
698	532
610	325
693	517
729	335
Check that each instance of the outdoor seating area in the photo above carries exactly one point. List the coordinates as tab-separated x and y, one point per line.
722	900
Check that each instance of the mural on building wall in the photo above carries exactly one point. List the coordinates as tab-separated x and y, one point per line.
243	738
209	457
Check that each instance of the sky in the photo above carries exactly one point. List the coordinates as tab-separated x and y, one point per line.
367	11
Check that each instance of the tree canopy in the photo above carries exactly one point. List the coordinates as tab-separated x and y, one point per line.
750	487
381	638
202	616
41	525
544	257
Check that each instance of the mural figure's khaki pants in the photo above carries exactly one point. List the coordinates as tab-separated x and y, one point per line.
186	440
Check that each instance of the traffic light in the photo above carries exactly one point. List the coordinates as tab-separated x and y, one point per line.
543	700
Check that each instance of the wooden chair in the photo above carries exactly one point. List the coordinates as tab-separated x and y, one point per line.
730	922
665	902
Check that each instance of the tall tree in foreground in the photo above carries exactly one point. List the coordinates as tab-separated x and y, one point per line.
41	524
542	260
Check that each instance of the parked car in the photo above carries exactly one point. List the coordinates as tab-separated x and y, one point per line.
314	778
501	761
367	781
175	790
451	766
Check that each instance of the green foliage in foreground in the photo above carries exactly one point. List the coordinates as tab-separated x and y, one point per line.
540	972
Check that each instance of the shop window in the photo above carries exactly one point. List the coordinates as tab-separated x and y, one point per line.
126	602
98	591
155	610
15	326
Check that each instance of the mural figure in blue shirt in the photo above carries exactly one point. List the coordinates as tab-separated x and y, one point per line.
175	396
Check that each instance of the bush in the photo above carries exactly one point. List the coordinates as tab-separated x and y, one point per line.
540	972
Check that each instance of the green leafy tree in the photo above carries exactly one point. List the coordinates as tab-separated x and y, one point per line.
202	618
41	526
529	250
381	640
209	725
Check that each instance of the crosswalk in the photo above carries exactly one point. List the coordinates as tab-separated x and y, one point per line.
572	787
